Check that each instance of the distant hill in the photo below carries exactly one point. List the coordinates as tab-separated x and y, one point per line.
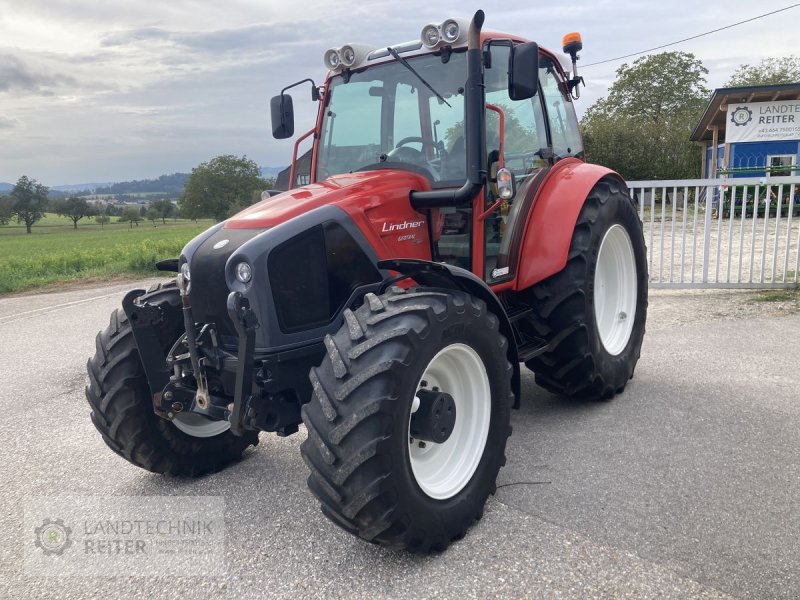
80	187
166	184
58	190
169	185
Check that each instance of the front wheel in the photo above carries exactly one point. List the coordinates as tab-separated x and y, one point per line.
593	312
409	419
122	407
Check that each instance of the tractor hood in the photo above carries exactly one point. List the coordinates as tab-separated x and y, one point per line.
355	193
373	207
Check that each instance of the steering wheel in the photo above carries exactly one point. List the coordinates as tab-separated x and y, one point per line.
412	154
412	139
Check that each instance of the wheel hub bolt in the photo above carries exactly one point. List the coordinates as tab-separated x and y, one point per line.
623	315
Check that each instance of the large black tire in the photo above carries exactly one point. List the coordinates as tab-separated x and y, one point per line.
579	365
122	409
358	419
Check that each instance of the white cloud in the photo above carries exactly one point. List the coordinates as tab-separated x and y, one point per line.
136	88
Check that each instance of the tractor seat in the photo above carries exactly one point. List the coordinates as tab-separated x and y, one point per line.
453	164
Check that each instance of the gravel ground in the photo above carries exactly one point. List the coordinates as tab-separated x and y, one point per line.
675	308
684	486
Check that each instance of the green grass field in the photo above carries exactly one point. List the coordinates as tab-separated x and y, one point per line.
55	252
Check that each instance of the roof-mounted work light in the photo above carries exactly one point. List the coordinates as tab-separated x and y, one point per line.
349	56
452	32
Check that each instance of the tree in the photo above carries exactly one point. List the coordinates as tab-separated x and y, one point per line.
153	215
102	219
770	71
642	150
657	86
163	208
74	207
112	210
517	137
6	210
29	199
130	215
641	129
220	187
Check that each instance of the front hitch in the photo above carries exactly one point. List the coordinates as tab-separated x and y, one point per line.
202	397
246	322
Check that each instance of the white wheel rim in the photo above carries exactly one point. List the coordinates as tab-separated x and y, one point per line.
615	290
198	426
442	470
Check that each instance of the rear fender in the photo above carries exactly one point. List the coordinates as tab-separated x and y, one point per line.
432	274
548	232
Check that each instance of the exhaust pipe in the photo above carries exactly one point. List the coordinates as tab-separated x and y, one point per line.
474	130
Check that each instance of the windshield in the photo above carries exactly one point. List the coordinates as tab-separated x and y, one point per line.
385	116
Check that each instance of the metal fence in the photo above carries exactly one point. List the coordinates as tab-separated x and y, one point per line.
721	233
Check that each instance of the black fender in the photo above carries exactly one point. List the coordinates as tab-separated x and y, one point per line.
440	275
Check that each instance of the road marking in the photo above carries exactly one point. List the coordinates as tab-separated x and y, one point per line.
14	317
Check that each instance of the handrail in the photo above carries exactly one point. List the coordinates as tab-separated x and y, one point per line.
294	156
501	161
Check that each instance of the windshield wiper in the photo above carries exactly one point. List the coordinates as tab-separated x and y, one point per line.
404	62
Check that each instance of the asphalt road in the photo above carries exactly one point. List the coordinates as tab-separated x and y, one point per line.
688	485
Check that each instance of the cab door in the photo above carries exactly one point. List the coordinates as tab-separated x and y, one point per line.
525	152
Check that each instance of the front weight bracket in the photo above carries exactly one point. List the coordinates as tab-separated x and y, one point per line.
145	319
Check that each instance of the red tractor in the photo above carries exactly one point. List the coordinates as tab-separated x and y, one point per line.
451	230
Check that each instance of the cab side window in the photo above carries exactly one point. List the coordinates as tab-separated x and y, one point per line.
525	132
564	131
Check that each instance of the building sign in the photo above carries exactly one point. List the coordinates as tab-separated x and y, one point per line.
763	121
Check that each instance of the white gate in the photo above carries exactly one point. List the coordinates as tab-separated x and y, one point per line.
721	233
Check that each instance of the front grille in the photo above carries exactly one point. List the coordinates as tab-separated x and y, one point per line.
313	274
299	280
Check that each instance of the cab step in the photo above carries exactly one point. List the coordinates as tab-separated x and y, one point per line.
532	348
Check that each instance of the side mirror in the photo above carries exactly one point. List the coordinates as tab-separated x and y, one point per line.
282	109
523	71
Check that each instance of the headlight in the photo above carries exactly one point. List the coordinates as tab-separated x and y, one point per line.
450	31
244	272
430	36
185	271
332	59
348	55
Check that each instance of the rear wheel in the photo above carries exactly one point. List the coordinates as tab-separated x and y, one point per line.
409	419
593	312
122	408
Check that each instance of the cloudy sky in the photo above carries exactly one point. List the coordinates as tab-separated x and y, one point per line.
129	89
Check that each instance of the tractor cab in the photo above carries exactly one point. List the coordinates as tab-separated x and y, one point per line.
403	107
